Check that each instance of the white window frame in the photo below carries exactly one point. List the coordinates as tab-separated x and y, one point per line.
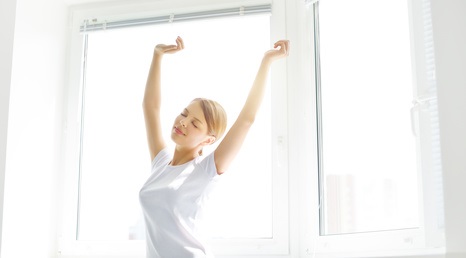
297	191
68	246
425	241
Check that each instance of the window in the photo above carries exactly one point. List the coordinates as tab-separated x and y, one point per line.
107	149
378	149
367	147
114	159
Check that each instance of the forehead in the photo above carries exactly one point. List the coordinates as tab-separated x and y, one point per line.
194	108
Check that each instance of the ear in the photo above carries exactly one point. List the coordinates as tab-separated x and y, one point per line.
209	140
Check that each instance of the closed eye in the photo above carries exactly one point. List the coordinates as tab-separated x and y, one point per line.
194	121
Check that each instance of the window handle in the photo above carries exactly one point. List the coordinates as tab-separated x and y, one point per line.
418	103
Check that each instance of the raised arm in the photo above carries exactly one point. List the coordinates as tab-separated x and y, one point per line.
152	97
231	144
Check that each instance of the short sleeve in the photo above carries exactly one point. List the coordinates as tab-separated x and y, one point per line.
161	159
208	163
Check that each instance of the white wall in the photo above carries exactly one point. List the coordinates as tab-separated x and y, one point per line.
37	74
7	25
449	27
32	78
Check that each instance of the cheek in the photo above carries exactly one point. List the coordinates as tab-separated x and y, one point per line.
196	133
177	120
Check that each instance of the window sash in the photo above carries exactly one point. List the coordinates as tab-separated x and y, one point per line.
70	247
98	133
428	239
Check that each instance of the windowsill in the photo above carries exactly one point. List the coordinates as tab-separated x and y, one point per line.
420	253
413	253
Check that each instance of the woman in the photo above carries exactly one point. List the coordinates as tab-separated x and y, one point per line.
173	197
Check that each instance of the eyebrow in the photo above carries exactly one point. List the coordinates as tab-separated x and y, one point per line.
197	119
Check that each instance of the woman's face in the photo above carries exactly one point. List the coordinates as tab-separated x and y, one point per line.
190	128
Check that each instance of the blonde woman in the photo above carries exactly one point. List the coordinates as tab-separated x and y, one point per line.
174	195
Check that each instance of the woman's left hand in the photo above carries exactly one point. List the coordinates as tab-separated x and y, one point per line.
280	50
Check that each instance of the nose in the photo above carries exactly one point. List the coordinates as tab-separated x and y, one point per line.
182	123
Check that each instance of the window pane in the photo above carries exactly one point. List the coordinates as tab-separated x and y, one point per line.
219	62
368	167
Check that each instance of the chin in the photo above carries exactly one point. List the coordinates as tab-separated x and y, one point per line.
173	137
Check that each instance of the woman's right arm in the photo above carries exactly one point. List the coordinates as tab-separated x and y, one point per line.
152	97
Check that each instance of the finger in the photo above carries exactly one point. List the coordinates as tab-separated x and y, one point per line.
284	46
283	42
180	42
287	46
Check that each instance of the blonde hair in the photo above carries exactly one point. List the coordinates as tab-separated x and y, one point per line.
215	117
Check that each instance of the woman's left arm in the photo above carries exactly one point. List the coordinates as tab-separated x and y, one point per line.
231	144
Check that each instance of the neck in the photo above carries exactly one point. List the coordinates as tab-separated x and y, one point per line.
182	156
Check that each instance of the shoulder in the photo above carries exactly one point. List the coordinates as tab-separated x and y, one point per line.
162	158
207	163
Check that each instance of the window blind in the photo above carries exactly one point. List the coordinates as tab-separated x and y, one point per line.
97	25
429	103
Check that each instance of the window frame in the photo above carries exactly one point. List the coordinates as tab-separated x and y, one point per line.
427	240
298	188
68	246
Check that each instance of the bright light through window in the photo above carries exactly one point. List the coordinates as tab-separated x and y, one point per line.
368	151
219	62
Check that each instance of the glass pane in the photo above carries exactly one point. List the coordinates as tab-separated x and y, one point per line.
368	167
219	62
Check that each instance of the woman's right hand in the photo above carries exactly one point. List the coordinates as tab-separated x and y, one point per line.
161	49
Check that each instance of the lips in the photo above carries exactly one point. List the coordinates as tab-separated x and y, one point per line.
178	131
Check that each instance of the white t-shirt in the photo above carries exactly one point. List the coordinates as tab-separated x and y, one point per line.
172	201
